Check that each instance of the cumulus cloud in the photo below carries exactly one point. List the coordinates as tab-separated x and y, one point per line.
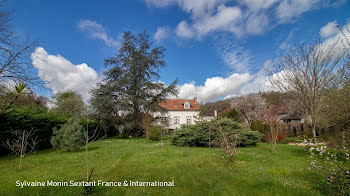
184	30
329	30
162	33
216	88
59	74
246	17
97	31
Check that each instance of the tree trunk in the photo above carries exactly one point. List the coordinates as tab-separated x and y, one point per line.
9	105
86	150
22	151
209	137
314	134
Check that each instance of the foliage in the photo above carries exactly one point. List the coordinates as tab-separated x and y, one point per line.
221	106
131	84
18	89
70	136
280	137
27	98
68	103
306	72
334	167
335	112
154	132
198	134
259	125
249	106
31	117
232	114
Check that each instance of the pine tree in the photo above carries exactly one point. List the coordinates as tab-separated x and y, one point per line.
70	136
131	85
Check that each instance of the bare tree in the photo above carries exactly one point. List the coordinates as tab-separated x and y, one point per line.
305	73
230	147
23	145
87	140
15	51
250	106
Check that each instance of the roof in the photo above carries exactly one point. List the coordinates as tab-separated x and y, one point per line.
278	109
178	104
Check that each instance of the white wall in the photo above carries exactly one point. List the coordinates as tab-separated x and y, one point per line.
182	117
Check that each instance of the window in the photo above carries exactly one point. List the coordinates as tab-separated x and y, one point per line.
176	120
186	105
188	120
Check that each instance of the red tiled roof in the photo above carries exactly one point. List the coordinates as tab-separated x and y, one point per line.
178	104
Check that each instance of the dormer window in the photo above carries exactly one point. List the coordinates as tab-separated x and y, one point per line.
187	105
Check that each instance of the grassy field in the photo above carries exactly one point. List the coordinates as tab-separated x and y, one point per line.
195	171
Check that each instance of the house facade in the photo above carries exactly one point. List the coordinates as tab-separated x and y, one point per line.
180	111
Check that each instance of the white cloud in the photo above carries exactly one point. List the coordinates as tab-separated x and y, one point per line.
246	17
257	5
216	88
257	24
184	30
290	8
162	33
59	74
329	30
97	31
160	3
235	57
342	41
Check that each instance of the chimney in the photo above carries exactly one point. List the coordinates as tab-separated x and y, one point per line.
195	100
215	113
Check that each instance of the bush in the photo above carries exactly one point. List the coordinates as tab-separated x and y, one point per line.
39	120
333	166
198	134
70	136
154	132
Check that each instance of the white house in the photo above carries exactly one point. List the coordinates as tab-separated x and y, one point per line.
180	111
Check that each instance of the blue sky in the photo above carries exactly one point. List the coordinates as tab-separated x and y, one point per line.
219	47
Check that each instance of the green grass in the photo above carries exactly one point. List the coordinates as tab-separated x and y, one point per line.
195	171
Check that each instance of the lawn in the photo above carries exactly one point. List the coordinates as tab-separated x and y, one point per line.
195	171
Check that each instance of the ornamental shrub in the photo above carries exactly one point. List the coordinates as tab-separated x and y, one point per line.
70	136
333	166
153	132
198	134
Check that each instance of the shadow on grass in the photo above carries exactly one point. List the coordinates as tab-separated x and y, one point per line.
92	148
300	152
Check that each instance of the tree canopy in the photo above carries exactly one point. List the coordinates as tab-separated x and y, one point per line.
131	85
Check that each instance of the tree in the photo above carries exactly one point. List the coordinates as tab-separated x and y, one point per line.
15	51
132	82
250	106
232	114
70	136
19	88
22	145
305	73
69	103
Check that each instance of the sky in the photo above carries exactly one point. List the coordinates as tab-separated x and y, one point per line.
216	48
